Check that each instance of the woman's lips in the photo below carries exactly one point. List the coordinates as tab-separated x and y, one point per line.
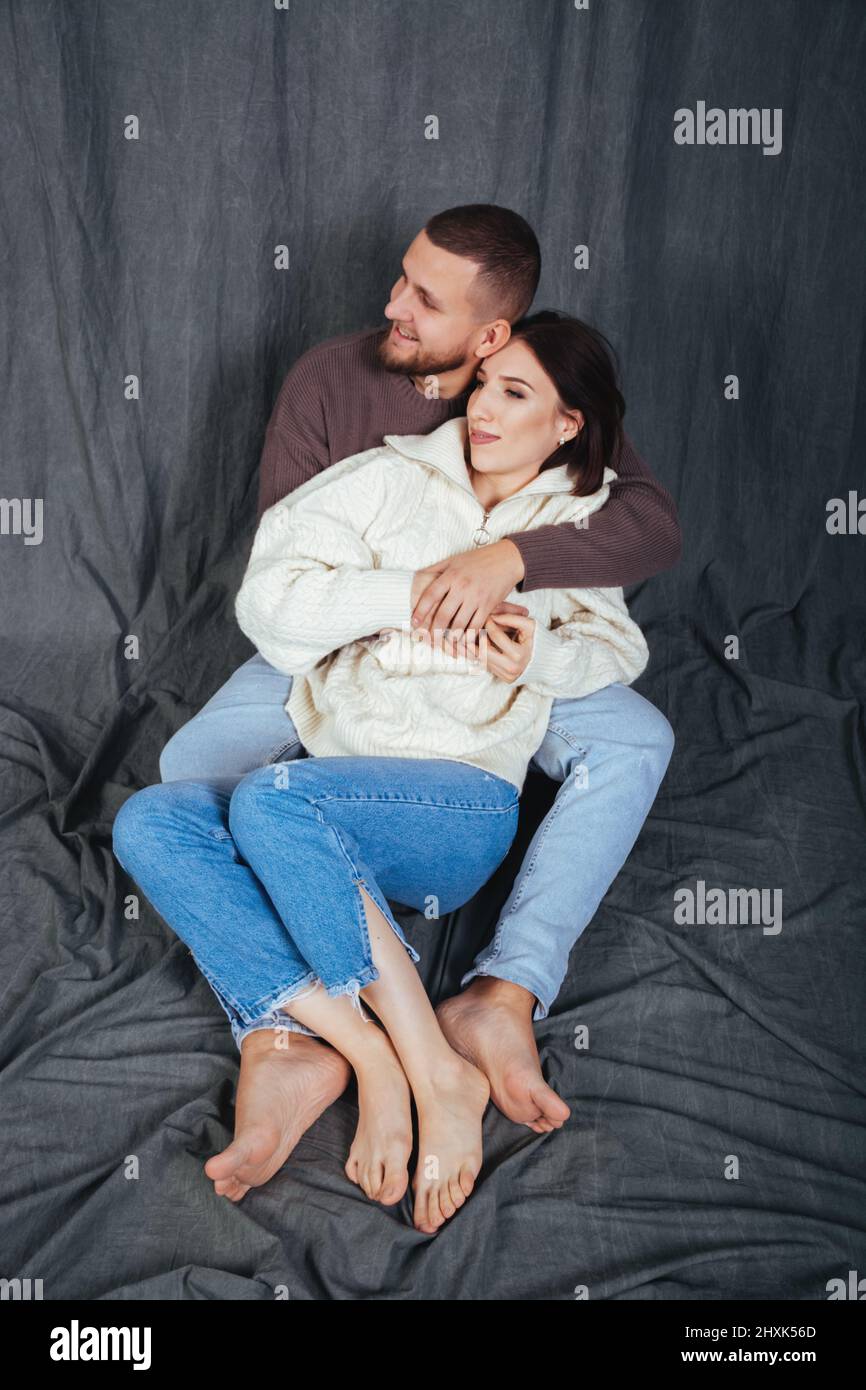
478	437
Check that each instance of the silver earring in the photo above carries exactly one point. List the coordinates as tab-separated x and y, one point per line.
562	440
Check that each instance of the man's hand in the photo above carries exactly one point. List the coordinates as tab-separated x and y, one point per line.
462	591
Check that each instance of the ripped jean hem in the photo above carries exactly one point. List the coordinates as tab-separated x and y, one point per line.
276	1023
243	1020
283	1022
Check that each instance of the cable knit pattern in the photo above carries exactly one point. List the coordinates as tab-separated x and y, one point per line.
326	597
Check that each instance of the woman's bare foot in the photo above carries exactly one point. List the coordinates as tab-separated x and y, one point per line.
450	1110
282	1090
490	1024
380	1151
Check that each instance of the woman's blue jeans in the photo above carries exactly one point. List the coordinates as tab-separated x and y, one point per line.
608	751
261	877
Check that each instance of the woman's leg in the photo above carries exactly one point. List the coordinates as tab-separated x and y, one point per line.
383	1140
174	840
433	831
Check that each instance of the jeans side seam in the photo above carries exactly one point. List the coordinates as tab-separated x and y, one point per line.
417	801
526	871
564	734
358	880
280	750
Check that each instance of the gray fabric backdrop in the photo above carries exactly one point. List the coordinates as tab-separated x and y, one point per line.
155	257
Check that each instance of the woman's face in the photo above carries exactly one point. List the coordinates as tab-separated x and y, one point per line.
514	419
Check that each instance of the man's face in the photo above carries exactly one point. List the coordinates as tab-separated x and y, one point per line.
435	328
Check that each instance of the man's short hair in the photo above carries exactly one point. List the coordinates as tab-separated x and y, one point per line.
506	250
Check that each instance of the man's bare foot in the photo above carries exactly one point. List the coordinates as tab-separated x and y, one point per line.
450	1110
490	1024
282	1090
380	1151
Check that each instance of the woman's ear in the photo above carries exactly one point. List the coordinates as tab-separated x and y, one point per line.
577	416
569	419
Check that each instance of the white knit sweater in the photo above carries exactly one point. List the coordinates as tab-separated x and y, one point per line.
333	563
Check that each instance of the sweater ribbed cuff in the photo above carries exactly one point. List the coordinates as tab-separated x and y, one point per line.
544	564
384	597
550	663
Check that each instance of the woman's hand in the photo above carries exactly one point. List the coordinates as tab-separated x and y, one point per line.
503	646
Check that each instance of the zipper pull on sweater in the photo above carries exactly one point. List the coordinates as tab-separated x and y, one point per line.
482	535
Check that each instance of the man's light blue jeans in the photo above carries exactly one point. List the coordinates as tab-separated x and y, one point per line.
261	876
609	751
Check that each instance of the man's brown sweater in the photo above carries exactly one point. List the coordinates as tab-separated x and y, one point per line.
338	400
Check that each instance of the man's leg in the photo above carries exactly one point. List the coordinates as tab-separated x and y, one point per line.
610	752
242	727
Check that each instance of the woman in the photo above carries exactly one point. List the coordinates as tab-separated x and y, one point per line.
416	751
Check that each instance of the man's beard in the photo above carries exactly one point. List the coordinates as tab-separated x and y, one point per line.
418	365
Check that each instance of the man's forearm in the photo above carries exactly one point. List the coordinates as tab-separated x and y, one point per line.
635	535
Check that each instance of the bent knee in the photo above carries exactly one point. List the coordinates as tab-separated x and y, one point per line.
178	759
648	731
660	735
250	796
149	815
135	823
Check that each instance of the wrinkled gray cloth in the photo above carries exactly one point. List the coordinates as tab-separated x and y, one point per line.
154	258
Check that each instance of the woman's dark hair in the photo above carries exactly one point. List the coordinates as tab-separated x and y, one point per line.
582	366
505	248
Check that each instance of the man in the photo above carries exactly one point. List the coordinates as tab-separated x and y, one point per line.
466	278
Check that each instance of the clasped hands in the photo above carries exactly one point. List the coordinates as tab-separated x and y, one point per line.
459	604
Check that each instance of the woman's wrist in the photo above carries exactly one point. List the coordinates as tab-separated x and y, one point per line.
515	559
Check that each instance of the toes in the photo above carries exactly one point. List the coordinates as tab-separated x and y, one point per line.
350	1168
436	1205
436	1217
455	1192
245	1158
377	1177
421	1215
392	1192
395	1182
220	1167
467	1180
446	1206
231	1188
551	1106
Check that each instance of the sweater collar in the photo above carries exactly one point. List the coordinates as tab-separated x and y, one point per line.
443	449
